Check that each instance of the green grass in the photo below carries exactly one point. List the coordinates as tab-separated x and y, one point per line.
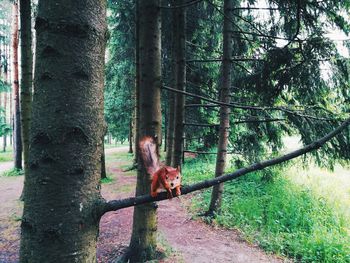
6	156
281	215
107	180
114	145
13	172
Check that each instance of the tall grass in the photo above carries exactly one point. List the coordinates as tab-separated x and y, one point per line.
282	216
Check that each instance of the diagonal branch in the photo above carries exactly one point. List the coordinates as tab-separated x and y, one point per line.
143	199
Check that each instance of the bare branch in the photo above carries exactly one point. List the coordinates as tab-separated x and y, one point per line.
234	122
245	107
182	6
220	60
201	124
200	152
138	200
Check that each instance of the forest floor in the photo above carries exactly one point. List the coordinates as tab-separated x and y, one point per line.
181	237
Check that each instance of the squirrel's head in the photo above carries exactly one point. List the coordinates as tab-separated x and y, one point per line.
173	176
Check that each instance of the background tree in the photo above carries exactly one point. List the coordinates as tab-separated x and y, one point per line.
17	144
5	88
120	69
180	82
26	75
216	199
143	240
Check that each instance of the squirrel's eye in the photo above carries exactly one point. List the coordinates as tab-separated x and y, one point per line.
177	177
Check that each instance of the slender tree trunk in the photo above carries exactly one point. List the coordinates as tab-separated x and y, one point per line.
4	145
103	161
216	198
2	54
10	69
130	136
26	77
171	96
143	240
59	222
137	82
6	75
17	145
180	53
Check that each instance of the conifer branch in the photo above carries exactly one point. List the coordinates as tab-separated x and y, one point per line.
143	199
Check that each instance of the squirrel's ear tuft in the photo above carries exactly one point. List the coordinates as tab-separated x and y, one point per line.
178	168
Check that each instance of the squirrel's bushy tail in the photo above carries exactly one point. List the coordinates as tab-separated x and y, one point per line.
149	154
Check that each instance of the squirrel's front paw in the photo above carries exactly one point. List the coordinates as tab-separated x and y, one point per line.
170	194
178	192
154	194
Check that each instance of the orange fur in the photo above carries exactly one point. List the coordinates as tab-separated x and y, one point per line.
163	178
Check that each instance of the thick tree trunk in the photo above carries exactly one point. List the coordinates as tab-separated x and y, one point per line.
59	222
180	53
17	143
216	198
143	239
26	77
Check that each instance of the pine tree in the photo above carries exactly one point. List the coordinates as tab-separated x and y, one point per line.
59	222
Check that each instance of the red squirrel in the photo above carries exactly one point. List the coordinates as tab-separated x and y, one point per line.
163	177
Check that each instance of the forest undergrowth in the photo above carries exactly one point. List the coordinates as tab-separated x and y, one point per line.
283	210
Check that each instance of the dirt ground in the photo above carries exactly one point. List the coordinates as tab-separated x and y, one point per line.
187	240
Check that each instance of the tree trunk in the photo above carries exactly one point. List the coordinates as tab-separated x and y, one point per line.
137	82
17	143
26	77
216	197
59	222
103	161
180	53
130	136
6	76
143	239
4	144
171	97
9	80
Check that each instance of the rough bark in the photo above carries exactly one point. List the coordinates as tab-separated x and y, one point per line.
216	196
180	53
26	76
17	137
63	183
143	239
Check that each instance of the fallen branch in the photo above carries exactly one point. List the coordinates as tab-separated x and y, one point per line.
138	200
